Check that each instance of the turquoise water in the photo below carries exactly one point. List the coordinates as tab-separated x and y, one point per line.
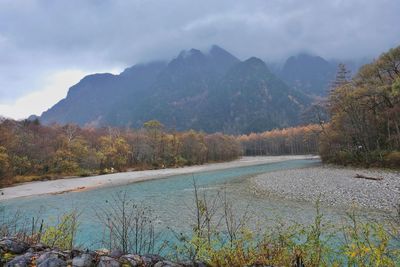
172	200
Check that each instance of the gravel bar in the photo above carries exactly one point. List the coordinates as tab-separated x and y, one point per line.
334	186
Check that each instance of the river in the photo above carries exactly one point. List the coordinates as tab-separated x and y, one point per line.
172	200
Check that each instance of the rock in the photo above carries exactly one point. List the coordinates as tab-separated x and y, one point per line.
166	264
194	264
151	259
102	252
19	261
13	246
106	261
84	260
132	259
50	255
116	254
74	253
39	247
52	262
44	257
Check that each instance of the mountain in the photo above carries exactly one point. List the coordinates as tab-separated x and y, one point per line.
249	98
310	74
90	100
178	93
210	91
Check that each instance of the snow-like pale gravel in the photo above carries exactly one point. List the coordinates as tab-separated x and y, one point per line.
333	186
76	184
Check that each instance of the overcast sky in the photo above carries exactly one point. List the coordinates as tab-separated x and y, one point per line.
47	46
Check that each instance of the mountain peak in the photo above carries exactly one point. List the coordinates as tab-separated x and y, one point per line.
255	61
308	73
306	59
217	50
184	54
255	64
142	67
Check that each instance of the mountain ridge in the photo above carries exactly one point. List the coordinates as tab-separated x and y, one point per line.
185	93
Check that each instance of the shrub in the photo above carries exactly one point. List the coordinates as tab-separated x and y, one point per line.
62	234
392	159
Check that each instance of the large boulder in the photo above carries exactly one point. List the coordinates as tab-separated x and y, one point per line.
116	254
106	261
20	261
13	246
167	264
84	260
151	259
52	262
194	264
132	259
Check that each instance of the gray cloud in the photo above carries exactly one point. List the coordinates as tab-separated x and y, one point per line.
41	37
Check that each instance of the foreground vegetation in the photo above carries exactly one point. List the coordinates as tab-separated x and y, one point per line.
222	236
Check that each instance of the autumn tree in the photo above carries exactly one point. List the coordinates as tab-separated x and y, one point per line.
4	163
113	151
364	127
194	149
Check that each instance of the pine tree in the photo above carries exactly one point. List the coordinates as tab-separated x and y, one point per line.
343	76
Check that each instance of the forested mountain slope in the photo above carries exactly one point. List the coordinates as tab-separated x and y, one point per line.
209	91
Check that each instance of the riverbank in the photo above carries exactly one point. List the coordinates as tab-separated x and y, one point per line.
87	183
333	186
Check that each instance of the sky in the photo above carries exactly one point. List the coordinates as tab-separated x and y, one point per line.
47	46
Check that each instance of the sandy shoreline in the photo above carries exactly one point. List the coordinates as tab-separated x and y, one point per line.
333	186
87	183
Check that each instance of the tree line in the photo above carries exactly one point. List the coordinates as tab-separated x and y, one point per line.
289	141
364	127
29	149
